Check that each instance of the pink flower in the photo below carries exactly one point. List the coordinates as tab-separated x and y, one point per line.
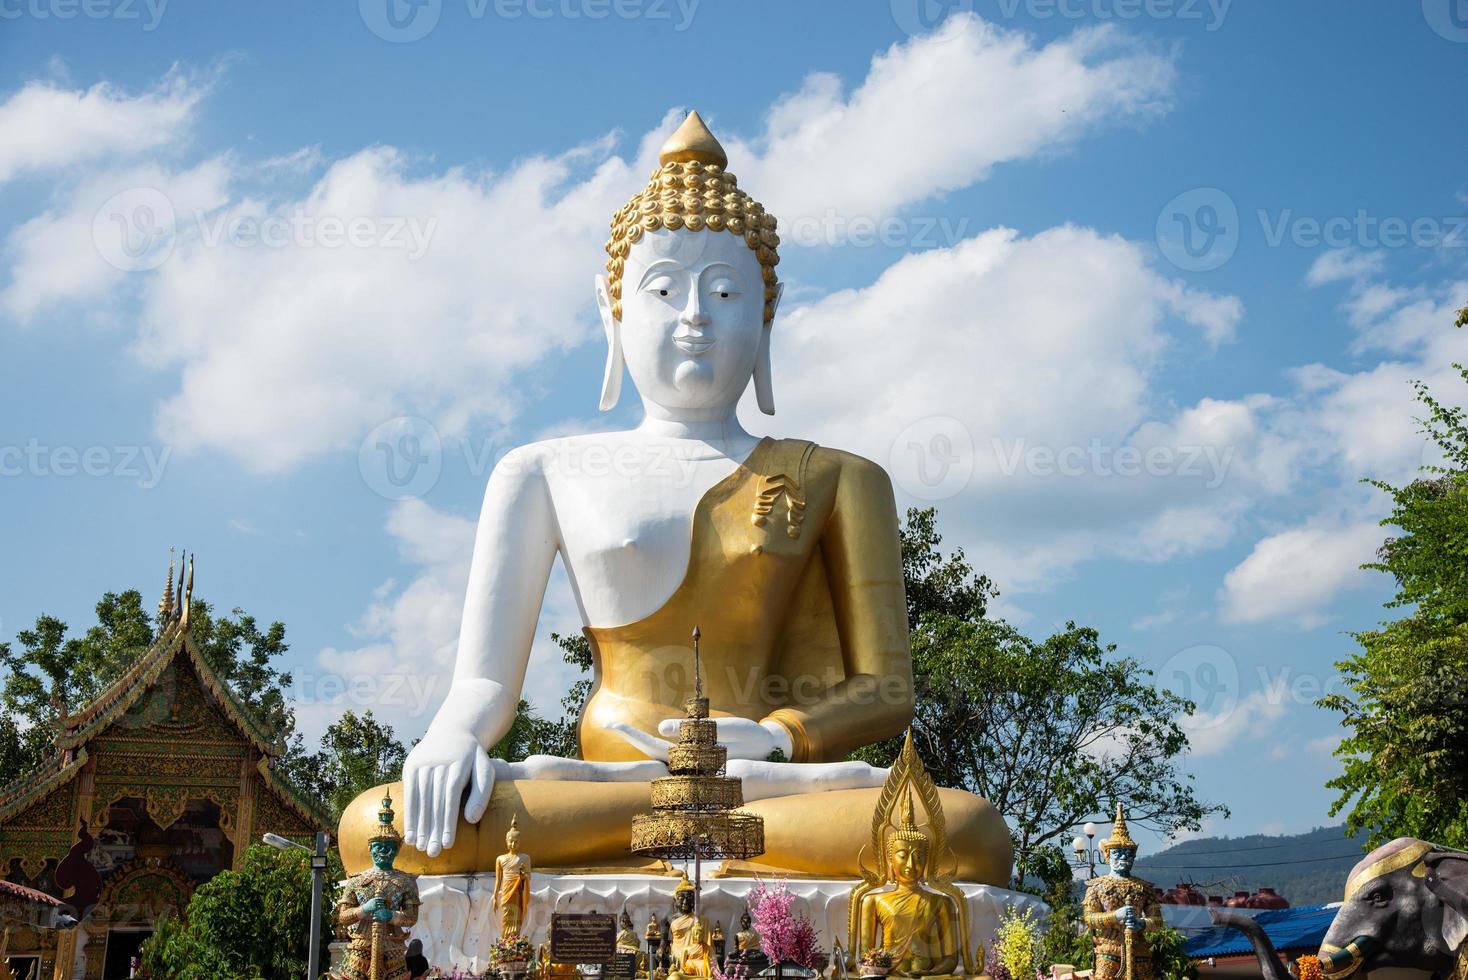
785	935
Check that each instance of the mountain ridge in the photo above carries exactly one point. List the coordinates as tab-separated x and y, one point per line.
1307	869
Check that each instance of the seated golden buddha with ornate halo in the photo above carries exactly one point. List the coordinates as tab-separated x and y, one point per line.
785	553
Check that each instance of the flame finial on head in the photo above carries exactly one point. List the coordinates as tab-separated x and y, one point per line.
908	831
693	143
385	829
1120	836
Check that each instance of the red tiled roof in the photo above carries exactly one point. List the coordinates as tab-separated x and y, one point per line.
11	889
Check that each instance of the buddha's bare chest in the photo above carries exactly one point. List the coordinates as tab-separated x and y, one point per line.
625	520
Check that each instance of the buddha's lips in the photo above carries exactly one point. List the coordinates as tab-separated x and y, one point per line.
693	345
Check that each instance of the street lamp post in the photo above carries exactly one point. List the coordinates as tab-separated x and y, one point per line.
318	884
1085	850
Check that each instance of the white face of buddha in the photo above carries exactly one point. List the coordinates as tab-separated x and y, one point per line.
692	317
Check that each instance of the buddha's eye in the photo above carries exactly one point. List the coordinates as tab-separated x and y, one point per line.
662	286
723	289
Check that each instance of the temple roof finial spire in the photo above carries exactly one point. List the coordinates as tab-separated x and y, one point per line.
188	596
165	604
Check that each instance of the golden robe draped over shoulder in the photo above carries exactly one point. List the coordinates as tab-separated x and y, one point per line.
795	579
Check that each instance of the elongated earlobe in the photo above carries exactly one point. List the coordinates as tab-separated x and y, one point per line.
611	381
764	389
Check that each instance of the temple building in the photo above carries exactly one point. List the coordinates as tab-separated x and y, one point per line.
160	783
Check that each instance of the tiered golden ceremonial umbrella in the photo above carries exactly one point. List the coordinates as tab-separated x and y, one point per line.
696	811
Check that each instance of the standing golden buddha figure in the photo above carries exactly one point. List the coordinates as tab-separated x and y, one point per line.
1119	909
512	884
377	908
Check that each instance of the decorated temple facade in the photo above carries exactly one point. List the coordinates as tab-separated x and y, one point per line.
156	786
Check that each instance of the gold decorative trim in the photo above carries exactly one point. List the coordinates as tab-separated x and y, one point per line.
1398	859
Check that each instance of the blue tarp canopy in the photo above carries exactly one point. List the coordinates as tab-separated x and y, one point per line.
1289	929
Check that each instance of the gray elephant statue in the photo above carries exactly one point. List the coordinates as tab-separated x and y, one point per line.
1406	905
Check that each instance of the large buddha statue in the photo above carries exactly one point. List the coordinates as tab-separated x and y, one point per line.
785	553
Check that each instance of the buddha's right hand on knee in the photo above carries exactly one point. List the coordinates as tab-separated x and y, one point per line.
434	776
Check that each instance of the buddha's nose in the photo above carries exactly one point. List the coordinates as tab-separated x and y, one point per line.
694	315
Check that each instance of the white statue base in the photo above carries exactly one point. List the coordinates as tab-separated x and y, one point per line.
457	922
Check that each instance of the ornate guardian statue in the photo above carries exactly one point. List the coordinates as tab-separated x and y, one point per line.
377	908
1119	909
786	553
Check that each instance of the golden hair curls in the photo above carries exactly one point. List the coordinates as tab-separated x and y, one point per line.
691	189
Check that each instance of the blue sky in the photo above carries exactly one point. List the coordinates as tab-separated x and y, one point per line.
1021	237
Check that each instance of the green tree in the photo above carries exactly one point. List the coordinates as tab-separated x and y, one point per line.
251	923
1051	732
357	753
49	672
1405	757
939	584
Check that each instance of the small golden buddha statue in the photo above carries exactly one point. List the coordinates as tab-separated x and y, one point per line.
908	904
696	962
551	970
627	941
680	928
746	940
512	884
915	923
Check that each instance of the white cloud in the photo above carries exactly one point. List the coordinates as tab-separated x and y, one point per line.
1015	357
1344	427
1345	264
1295	574
47	126
80	252
286	352
938	112
1251	718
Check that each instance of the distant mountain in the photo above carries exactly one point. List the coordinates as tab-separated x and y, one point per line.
1305	868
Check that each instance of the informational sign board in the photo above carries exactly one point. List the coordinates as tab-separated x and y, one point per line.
583	937
622	966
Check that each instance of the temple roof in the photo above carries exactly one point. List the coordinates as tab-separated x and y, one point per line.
174	645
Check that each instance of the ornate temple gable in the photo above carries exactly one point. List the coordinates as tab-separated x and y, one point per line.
279	810
172	690
167	732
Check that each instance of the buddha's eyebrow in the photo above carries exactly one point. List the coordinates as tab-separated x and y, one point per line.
659	265
727	268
